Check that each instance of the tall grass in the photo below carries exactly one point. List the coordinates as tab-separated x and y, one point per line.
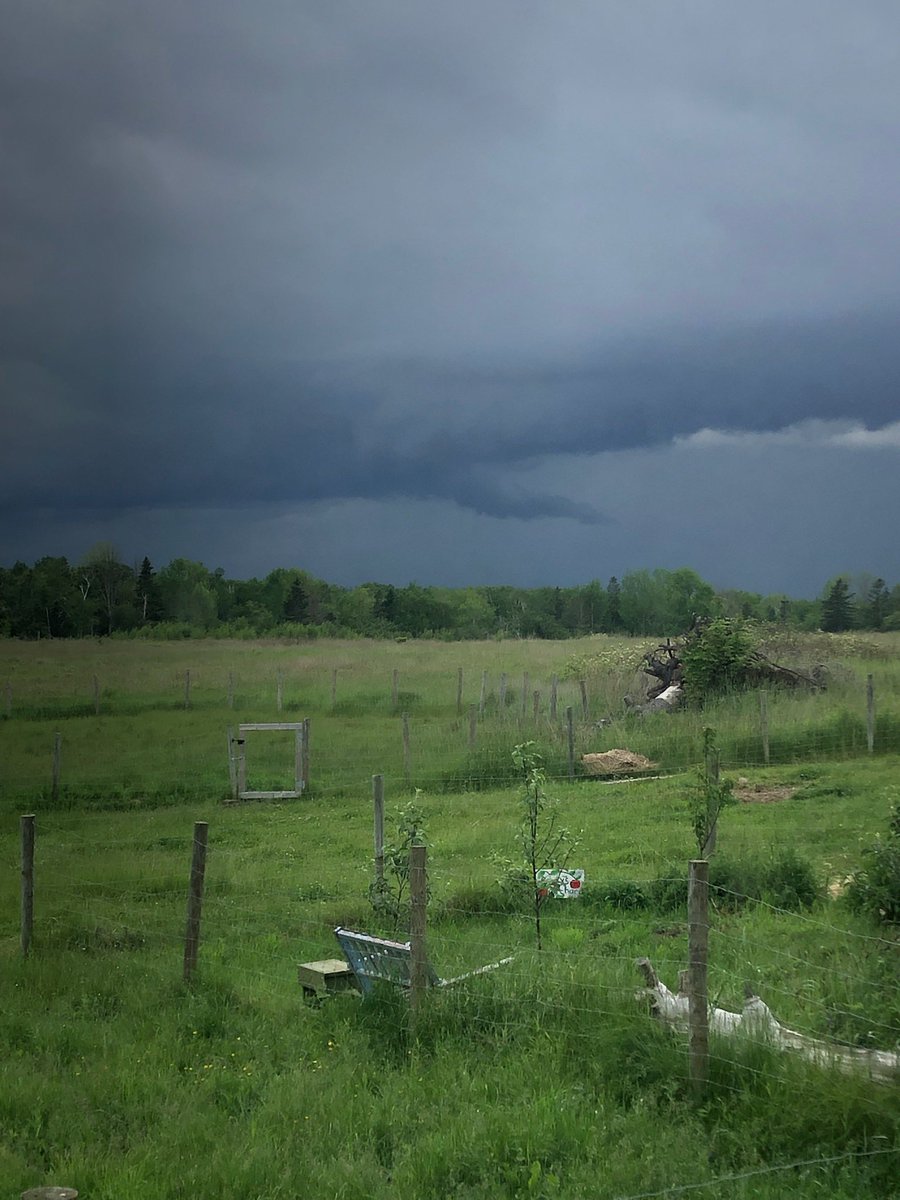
544	1079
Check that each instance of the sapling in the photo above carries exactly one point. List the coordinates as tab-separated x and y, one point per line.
709	796
545	843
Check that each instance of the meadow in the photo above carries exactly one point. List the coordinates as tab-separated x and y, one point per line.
547	1078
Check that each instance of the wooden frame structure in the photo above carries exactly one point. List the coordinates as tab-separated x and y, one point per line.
237	760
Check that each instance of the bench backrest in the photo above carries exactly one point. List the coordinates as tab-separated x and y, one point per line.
372	958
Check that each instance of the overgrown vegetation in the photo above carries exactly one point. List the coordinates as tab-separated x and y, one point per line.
717	659
540	1079
875	888
389	895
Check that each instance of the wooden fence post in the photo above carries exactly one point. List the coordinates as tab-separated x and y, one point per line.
482	699
764	724
585	708
230	696
187	688
240	766
195	899
525	686
870	713
502	695
26	825
378	805
554	685
698	957
570	729
459	692
96	683
57	766
406	747
395	688
299	739
304	764
418	951
232	764
279	690
473	726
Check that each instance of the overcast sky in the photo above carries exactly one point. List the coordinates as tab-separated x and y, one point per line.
490	291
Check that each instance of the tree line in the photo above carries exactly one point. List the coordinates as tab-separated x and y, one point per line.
102	596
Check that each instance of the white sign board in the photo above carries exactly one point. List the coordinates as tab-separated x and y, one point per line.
564	885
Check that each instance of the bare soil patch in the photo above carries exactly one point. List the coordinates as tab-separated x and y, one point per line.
762	793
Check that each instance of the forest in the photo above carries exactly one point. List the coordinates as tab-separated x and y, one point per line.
103	596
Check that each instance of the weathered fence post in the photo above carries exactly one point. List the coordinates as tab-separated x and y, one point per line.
554	685
585	708
482	699
378	805
473	726
240	775
870	713
406	747
459	692
418	951
764	724
698	957
96	683
304	764
525	686
395	688
26	825
232	765
279	690
195	899
230	696
57	766
570	730
187	688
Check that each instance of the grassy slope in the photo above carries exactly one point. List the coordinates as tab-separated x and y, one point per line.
543	1080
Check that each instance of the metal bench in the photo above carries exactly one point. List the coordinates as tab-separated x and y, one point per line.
374	958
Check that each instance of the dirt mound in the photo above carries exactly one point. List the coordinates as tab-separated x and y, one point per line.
616	762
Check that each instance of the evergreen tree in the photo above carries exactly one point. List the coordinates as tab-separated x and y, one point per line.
877	604
837	607
296	604
147	593
613	604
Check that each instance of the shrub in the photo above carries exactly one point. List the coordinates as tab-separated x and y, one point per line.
875	888
716	658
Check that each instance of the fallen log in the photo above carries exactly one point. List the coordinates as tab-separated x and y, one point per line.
757	1022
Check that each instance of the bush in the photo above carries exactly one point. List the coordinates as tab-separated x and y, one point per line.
875	888
716	658
785	881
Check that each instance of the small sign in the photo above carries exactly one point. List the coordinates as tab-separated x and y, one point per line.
563	885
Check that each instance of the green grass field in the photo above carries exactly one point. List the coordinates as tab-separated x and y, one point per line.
544	1079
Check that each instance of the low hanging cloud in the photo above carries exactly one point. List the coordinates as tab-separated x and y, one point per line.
812	435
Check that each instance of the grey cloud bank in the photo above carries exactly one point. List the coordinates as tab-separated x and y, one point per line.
401	290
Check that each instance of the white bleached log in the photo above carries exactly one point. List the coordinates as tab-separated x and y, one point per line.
757	1022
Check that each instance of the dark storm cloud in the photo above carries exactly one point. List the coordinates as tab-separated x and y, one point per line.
277	254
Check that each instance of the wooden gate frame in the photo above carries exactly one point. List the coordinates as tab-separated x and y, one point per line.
237	760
